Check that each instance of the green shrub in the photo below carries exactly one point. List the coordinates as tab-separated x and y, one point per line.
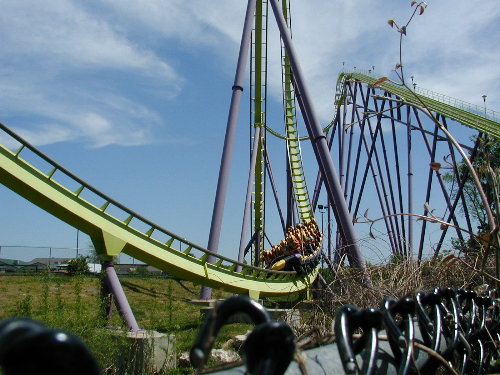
78	266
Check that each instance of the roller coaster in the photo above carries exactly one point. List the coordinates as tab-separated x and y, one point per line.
380	145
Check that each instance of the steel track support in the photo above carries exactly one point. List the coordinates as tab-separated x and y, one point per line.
428	193
237	90
112	284
398	173
321	150
248	201
459	193
409	252
275	190
380	186
455	171
394	220
439	177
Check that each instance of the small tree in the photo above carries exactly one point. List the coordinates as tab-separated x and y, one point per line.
78	266
487	158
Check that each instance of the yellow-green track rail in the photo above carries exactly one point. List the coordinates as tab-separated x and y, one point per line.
114	228
472	120
292	136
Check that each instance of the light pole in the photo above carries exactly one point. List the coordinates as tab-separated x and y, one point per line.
322	210
77	247
484	101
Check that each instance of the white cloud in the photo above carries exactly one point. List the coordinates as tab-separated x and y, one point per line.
56	61
87	67
62	32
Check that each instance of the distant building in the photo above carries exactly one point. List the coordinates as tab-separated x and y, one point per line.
14	265
61	265
52	262
8	265
137	269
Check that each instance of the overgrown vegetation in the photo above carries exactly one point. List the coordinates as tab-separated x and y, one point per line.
161	304
78	266
480	172
73	303
396	279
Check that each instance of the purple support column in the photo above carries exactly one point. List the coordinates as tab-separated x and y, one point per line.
459	193
329	233
428	193
398	176
114	286
106	301
220	195
319	180
320	147
410	184
275	191
248	201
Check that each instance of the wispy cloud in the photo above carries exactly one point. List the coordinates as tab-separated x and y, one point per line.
86	70
57	60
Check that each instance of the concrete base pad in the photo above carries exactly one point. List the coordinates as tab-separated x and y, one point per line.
143	351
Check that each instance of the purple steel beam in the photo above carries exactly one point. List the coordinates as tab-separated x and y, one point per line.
248	200
367	167
410	183
440	178
428	193
319	180
353	96
106	300
348	164
329	233
371	153
384	203
362	120
237	89
320	148
398	171
248	246
397	236
114	286
275	190
459	193
358	157
455	171
440	137
341	142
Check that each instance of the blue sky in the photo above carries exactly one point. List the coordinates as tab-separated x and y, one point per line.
133	96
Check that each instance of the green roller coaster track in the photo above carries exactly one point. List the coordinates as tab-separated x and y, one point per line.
92	212
112	235
472	120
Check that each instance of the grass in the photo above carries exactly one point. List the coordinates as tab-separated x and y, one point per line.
72	303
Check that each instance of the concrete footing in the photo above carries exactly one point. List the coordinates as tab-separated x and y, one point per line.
146	351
